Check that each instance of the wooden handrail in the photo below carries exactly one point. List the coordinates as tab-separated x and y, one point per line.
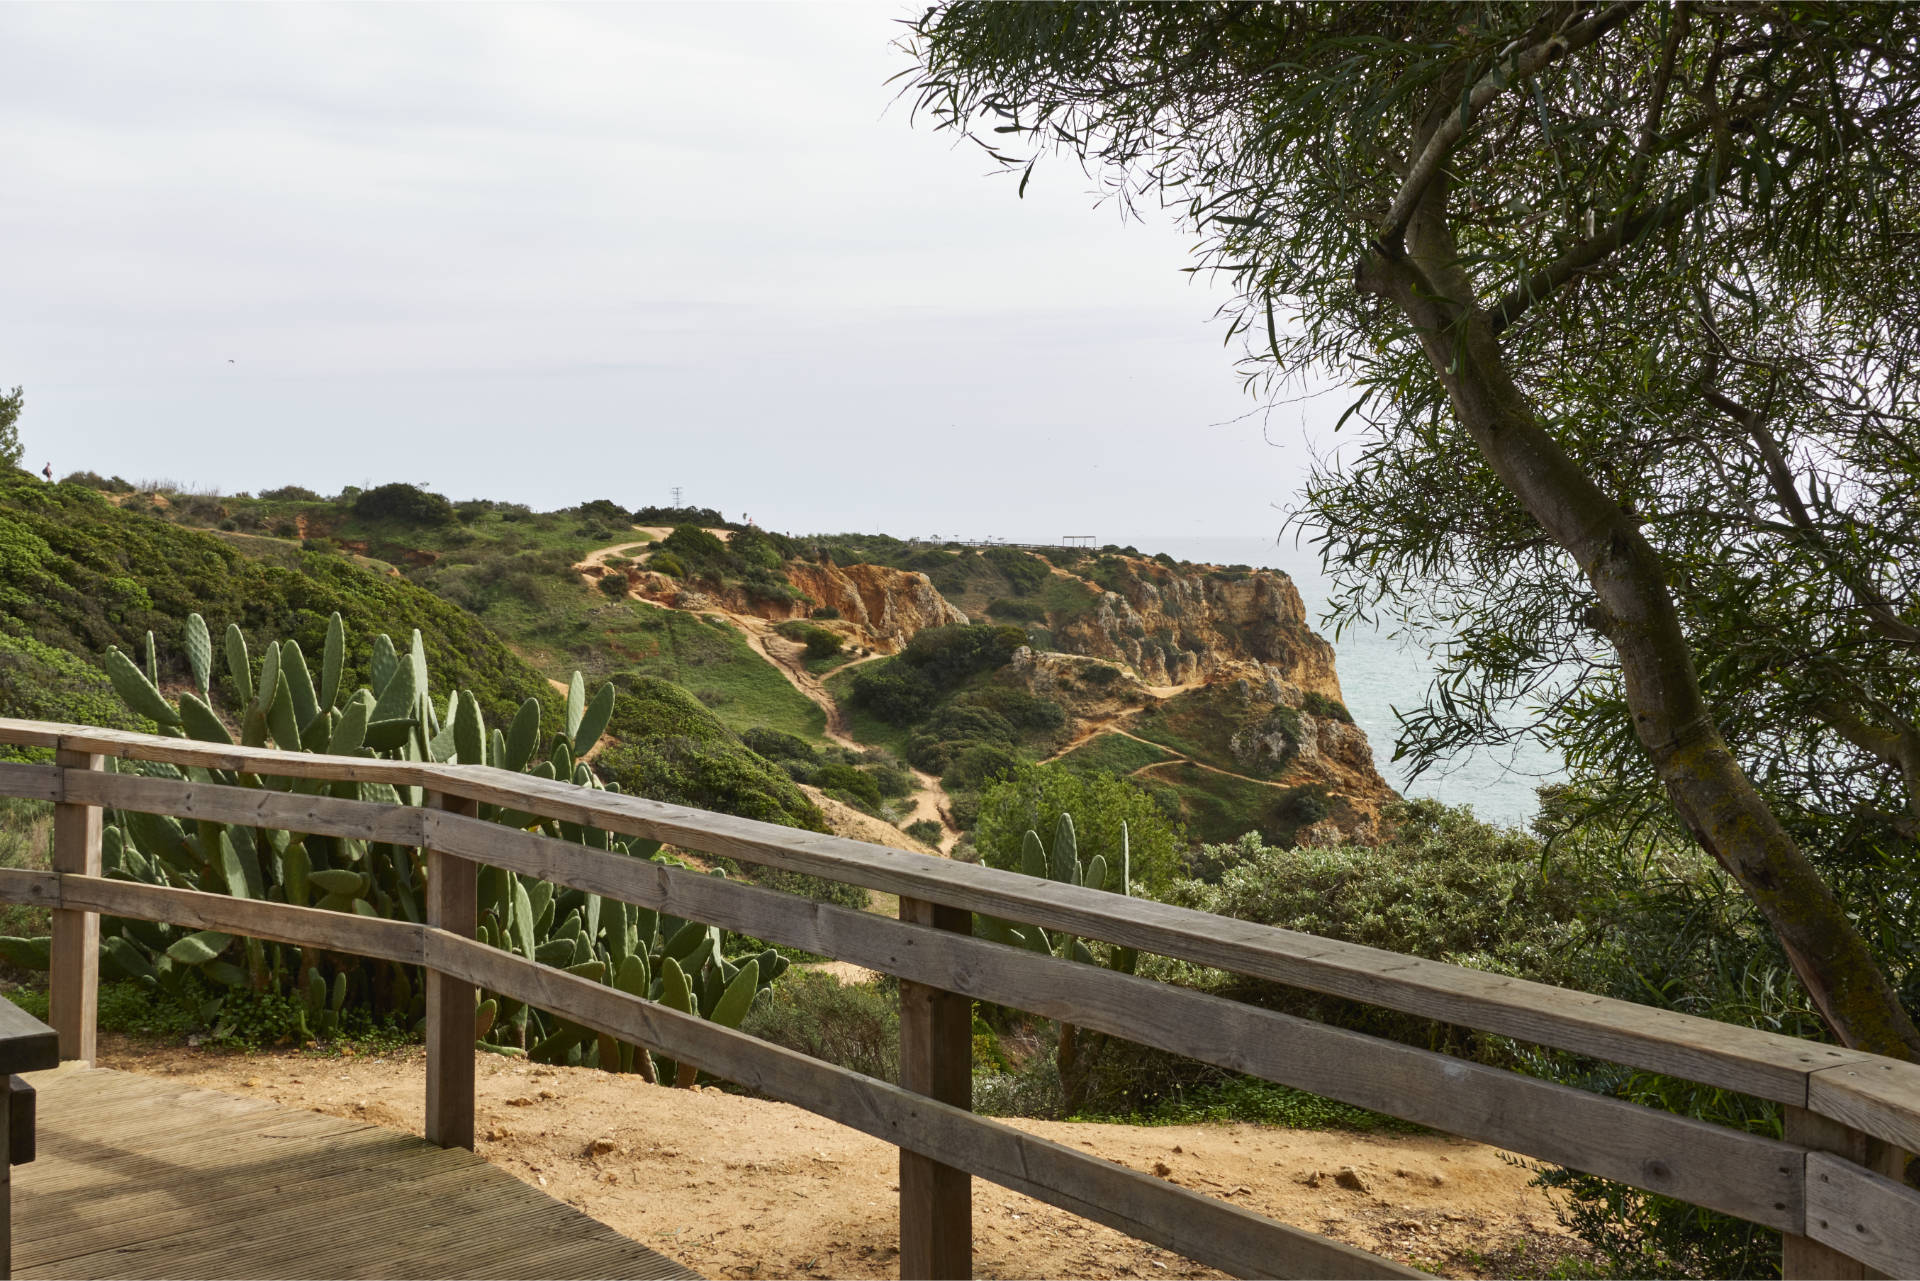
1763	1180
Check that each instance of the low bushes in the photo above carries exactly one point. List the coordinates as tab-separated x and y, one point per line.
855	1026
404	504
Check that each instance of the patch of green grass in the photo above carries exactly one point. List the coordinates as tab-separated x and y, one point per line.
1065	598
1202	724
1218	807
1114	754
831	663
862	724
26	840
713	662
1251	1100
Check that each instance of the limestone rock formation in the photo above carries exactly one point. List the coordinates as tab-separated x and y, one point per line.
888	605
1179	628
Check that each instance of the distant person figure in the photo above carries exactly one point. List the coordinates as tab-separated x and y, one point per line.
47	471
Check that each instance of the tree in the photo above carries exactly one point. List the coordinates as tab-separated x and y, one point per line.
11	449
1629	297
1033	797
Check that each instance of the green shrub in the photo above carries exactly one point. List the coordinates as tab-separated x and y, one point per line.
1032	797
823	643
1017	611
926	831
777	745
704	555
893	691
679	516
94	480
856	1026
850	783
667	563
1319	704
826	612
1023	571
979	764
603	511
290	494
614	585
403	504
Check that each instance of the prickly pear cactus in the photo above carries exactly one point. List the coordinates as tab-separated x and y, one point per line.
1063	864
276	701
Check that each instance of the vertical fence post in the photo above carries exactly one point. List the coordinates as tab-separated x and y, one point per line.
1803	1257
452	905
6	1177
74	969
936	1059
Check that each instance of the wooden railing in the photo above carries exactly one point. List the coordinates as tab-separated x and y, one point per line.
1850	1117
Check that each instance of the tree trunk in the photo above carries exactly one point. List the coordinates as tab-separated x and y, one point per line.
1712	794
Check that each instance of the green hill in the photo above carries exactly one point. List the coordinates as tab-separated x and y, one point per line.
78	574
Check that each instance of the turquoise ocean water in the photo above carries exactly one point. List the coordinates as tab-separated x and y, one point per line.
1378	674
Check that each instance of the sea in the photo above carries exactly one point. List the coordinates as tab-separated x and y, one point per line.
1380	673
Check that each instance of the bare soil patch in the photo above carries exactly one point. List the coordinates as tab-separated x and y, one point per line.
738	1187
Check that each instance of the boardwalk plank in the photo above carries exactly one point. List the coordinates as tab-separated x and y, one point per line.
141	1177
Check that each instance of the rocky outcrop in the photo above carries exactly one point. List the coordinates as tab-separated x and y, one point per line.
1179	628
888	605
880	608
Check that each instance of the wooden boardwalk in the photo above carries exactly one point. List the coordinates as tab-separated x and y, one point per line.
143	1177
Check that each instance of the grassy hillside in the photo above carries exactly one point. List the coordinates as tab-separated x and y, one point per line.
511	567
78	574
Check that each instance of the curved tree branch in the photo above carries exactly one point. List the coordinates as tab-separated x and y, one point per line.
1521	65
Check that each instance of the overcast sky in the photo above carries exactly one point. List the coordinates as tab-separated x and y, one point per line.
551	253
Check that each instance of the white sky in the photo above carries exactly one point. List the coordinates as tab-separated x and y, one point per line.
552	253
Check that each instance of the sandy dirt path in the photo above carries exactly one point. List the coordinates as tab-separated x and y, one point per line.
736	1187
930	802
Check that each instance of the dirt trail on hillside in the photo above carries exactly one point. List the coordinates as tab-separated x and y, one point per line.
930	802
738	1187
1111	725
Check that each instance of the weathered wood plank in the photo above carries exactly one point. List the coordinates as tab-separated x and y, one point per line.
452	906
29	885
31	782
1211	1232
936	1059
26	1044
6	1179
251	807
234	1184
127	745
1875	1095
21	733
1863	1215
298	1195
1737	1058
1747	1175
1803	1256
18	1143
278	922
73	978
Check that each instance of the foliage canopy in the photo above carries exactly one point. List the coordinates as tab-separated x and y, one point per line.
1629	298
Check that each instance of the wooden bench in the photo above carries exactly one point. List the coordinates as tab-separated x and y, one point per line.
26	1045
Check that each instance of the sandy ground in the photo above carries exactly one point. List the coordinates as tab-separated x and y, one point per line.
741	1187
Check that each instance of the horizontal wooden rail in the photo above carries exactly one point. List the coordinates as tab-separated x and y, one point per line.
1878	1096
1199	1227
1801	1190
